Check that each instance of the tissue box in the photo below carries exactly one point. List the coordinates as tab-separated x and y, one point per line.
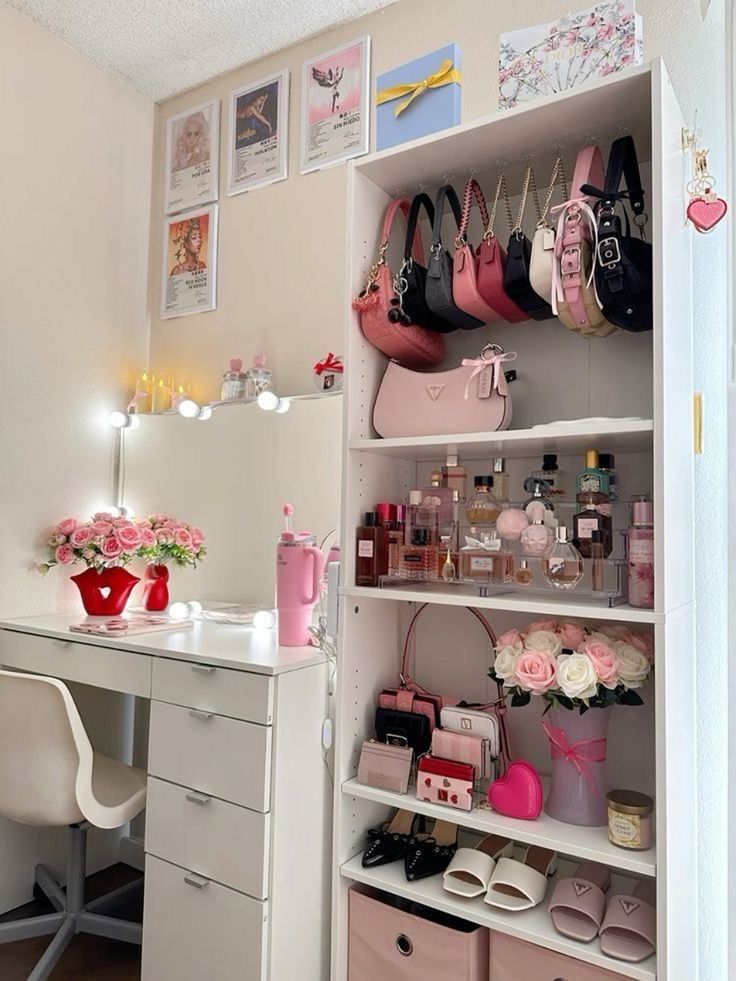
581	47
432	110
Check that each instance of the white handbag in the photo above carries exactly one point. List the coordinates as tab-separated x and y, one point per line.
485	725
541	264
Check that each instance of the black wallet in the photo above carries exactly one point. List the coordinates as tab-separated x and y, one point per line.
403	729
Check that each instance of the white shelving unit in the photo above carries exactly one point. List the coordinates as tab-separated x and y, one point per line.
630	394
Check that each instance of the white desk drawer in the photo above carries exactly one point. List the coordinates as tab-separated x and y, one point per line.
195	929
234	693
218	840
100	667
218	756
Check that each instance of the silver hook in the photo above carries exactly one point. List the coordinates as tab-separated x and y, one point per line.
529	157
559	149
502	164
397	192
423	188
590	138
473	173
621	129
446	178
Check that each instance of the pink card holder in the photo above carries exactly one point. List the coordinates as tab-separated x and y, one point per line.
445	782
463	747
386	767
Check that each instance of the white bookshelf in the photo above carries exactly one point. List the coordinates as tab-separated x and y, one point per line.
629	394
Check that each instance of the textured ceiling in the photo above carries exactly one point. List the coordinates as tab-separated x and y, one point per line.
161	47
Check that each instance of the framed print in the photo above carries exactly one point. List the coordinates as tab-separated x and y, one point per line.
335	105
259	134
192	150
189	268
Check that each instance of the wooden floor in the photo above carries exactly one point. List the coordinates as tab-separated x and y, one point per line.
86	958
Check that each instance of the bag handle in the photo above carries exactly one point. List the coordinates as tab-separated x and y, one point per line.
398	204
501	188
499	707
530	184
472	190
622	162
446	193
412	232
558	175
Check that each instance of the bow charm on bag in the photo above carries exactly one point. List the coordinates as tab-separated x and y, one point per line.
491	361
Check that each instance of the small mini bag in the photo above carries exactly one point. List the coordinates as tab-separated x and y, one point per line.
472	398
411	282
438	293
465	262
518	259
492	264
541	267
382	319
463	747
482	725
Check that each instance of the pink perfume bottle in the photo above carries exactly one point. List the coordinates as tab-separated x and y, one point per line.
641	555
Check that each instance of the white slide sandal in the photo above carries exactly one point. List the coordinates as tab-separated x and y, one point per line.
519	885
470	870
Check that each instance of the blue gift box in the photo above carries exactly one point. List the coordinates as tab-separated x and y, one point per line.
432	110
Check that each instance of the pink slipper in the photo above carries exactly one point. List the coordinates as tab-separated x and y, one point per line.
578	903
629	930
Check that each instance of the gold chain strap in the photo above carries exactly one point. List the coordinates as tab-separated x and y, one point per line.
528	180
558	174
500	187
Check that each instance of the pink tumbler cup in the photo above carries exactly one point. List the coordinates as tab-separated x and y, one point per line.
299	568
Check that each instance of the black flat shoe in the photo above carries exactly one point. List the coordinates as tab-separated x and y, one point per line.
393	840
432	855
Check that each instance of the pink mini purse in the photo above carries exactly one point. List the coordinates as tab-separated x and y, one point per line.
445	782
465	261
492	265
463	747
473	398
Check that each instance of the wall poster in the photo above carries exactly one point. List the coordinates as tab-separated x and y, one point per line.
192	148
259	131
189	266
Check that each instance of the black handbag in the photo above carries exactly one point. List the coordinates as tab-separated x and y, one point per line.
438	291
399	728
516	282
412	280
623	271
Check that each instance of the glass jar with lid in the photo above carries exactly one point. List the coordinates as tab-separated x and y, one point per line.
257	378
233	381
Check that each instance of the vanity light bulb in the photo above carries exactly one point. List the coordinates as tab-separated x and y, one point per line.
189	409
205	412
124	420
179	611
268	401
264	620
284	405
195	608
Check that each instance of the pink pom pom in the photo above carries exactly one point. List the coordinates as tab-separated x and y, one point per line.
288	510
510	523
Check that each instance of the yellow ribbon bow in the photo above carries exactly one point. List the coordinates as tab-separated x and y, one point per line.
445	75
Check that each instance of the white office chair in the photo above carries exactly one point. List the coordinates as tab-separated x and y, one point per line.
50	777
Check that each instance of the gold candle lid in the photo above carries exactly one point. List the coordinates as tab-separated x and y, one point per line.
630	801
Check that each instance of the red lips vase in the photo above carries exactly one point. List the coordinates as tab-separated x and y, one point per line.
105	593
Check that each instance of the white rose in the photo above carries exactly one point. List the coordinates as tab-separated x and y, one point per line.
633	667
543	640
505	663
576	676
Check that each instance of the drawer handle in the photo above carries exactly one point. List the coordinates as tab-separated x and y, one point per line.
196	798
199	714
61	643
203	668
198	881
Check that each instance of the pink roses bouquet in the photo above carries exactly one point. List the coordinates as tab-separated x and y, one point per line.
166	539
573	666
102	542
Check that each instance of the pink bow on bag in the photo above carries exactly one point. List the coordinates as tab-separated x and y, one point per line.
579	753
493	364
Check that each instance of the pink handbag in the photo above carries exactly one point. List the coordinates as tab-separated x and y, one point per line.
379	307
465	291
492	265
387	942
473	398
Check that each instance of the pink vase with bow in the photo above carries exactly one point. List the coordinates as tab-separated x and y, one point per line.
577	746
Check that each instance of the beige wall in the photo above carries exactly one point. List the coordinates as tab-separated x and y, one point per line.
76	166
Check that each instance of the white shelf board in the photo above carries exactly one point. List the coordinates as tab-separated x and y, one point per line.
618	435
564	606
566	839
533	925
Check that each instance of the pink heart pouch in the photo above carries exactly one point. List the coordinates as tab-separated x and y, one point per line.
518	793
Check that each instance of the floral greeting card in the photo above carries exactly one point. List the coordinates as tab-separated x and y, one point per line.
581	47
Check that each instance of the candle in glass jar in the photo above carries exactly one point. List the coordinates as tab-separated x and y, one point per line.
630	819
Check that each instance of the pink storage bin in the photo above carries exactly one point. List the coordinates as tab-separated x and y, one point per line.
517	960
389	944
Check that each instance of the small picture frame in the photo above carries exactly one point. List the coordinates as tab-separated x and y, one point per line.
335	106
189	263
192	152
258	134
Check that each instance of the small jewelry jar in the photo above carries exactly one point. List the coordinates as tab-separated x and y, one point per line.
328	373
630	819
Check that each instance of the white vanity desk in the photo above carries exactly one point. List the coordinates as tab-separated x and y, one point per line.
238	818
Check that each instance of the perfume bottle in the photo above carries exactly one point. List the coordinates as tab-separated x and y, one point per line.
455	476
551	474
418	561
257	378
596	556
592	479
371	560
641	554
562	565
423	512
537	537
476	556
500	480
607	463
539	490
443	494
447	560
592	517
483	507
524	575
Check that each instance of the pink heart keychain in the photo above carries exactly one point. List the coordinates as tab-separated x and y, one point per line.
518	793
705	212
